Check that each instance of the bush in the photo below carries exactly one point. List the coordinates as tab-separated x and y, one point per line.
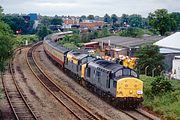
160	86
132	32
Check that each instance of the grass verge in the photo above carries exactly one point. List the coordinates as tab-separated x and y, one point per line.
167	105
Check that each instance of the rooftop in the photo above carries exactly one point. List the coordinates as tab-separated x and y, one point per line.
128	41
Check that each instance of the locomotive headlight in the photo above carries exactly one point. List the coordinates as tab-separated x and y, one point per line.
130	91
139	92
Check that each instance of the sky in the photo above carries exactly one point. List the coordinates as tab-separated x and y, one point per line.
86	7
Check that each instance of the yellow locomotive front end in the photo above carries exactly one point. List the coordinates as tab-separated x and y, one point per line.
130	90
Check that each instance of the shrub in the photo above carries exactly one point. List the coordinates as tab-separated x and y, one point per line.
132	32
160	86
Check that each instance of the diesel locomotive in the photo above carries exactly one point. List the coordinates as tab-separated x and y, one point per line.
110	80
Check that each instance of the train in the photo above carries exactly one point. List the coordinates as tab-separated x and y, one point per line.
112	81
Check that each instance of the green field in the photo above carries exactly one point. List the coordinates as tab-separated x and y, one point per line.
167	105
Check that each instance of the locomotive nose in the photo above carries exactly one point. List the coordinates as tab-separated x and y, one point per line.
129	87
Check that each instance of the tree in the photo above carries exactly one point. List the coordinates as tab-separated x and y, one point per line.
114	18
6	44
132	32
107	18
1	12
46	21
161	21
90	17
135	20
124	19
42	32
176	17
6	50
105	32
17	23
150	56
56	21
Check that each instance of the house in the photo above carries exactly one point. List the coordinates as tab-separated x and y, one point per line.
68	23
91	25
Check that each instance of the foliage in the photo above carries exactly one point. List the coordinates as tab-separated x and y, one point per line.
1	10
107	18
45	21
176	17
135	20
105	32
161	21
43	31
21	40
149	55
56	21
114	18
6	49
124	19
90	17
74	39
71	46
167	104
17	23
132	32
5	29
160	86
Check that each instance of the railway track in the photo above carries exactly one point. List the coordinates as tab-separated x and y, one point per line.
139	115
76	109
20	107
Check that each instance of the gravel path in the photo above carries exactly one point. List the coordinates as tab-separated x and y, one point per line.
78	92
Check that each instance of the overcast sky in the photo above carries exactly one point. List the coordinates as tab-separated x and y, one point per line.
86	7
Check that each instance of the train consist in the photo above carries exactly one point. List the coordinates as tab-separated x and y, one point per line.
110	80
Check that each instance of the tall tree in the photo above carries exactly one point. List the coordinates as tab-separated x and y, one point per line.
6	43
161	21
46	21
90	17
107	18
43	31
135	20
150	56
124	19
114	18
56	21
176	17
17	23
1	11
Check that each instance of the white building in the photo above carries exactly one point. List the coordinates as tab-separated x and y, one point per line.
170	47
176	68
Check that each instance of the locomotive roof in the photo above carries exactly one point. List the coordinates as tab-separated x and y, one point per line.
106	65
78	55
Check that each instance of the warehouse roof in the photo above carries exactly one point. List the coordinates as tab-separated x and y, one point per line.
172	41
128	41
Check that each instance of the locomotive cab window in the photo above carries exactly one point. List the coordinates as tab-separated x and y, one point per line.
126	72
133	73
118	73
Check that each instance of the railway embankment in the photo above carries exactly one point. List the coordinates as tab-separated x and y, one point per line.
164	104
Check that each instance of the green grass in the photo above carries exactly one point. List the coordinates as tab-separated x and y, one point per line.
167	105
